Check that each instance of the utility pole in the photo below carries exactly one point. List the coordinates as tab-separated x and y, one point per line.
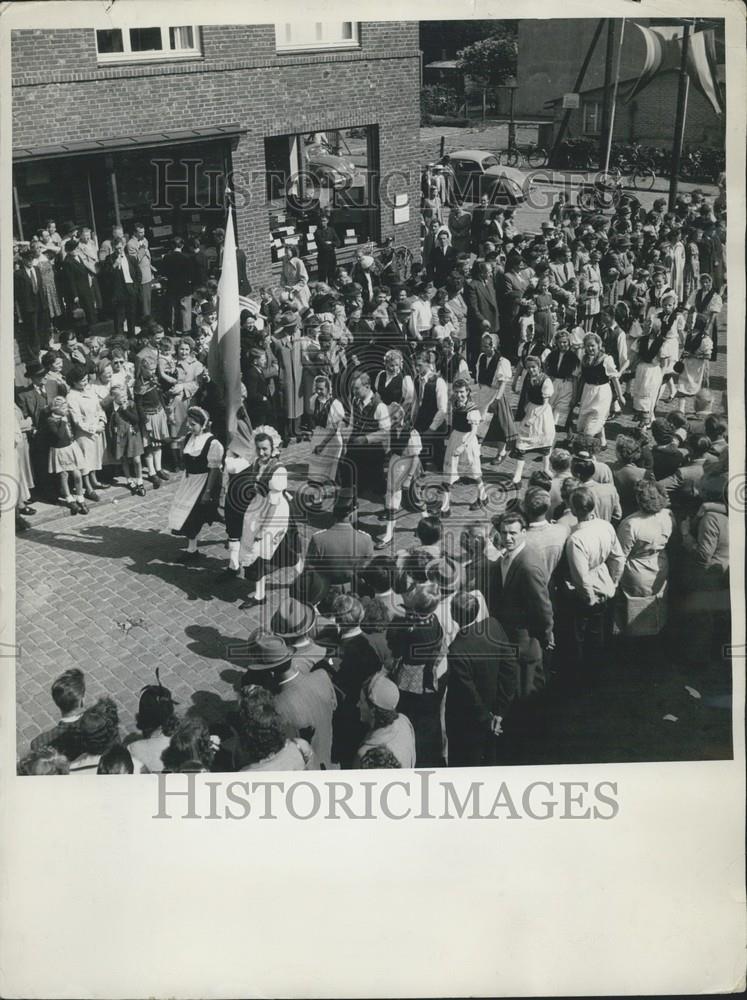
679	122
608	57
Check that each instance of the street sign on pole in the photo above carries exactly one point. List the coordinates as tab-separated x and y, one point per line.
571	101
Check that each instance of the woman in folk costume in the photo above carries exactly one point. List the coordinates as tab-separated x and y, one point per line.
672	325
659	289
501	430
535	430
695	358
641	599
404	451
266	543
562	365
648	373
708	303
597	382
195	502
463	447
327	418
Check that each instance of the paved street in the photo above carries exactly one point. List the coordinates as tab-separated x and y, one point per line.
106	593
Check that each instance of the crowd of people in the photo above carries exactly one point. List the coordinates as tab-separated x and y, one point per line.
499	347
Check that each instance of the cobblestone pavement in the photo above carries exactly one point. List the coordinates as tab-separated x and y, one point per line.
84	583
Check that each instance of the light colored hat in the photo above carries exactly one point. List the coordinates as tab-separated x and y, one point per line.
383	693
366	262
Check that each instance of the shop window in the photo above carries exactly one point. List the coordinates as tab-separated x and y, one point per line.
126	44
592	118
293	36
330	172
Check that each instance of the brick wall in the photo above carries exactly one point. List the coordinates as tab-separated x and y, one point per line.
239	79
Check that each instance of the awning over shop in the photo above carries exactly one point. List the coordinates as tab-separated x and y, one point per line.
122	143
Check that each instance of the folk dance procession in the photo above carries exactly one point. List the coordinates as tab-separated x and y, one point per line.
507	360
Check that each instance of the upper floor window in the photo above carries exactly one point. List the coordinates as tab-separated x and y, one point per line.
299	35
592	117
128	44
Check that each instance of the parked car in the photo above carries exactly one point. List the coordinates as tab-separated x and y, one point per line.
330	169
477	172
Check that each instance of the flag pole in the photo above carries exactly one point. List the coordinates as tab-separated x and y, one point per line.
679	123
611	127
607	85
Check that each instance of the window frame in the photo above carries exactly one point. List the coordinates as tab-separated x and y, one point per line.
152	55
318	45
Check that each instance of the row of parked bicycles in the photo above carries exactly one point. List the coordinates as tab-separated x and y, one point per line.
631	164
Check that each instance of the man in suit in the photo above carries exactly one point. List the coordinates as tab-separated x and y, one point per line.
181	272
257	403
29	308
245	287
123	287
32	402
138	255
479	296
199	260
546	539
442	259
479	215
327	242
606	497
518	597
481	684
337	553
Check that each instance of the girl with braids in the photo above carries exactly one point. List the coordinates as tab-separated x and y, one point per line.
648	374
195	502
404	448
463	447
536	428
695	358
562	366
327	418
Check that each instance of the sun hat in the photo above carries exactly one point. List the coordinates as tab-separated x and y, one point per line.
292	619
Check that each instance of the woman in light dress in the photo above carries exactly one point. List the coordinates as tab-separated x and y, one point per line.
535	430
89	421
294	277
195	502
641	600
327	417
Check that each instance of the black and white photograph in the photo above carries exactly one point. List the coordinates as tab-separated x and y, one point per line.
380	421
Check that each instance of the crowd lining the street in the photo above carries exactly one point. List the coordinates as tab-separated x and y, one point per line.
401	385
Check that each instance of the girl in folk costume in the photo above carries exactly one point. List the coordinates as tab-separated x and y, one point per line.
153	421
266	542
89	421
527	309
393	384
544	311
597	382
501	430
195	502
463	447
66	455
562	366
404	450
452	365
706	302
536	428
126	439
659	289
696	355
327	416
648	374
672	325
633	331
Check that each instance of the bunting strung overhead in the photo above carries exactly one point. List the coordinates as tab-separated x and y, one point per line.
664	52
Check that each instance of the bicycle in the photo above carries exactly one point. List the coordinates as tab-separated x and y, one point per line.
532	155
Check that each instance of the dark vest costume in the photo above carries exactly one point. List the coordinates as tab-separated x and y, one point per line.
427	405
557	366
594	374
391	393
486	368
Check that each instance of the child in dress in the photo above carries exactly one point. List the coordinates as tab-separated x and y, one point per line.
65	456
55	384
127	441
463	447
153	421
526	336
445	327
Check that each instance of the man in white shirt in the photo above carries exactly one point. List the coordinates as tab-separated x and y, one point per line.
595	566
546	539
422	313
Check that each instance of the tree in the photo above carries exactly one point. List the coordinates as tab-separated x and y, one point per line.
443	39
491	61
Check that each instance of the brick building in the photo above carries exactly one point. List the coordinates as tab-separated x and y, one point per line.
550	57
118	125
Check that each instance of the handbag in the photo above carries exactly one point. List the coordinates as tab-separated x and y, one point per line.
678	367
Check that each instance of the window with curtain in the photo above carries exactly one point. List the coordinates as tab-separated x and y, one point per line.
164	42
303	35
